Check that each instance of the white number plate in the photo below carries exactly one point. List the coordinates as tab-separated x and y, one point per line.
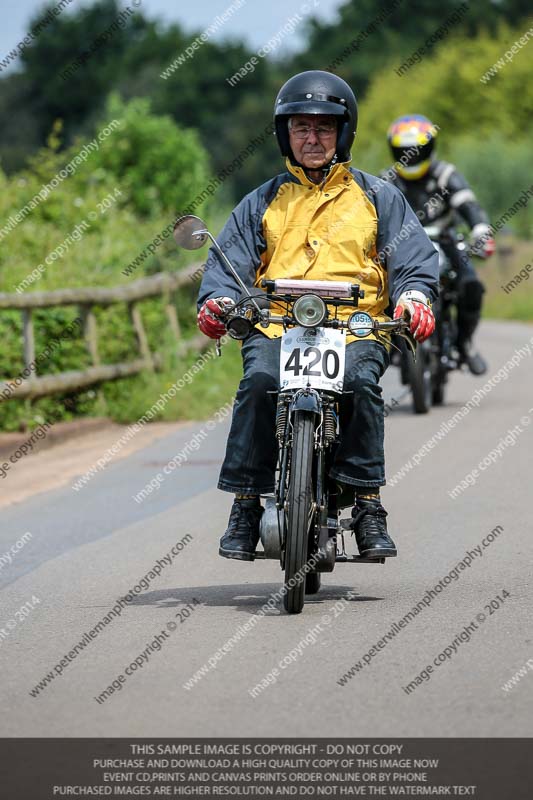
312	356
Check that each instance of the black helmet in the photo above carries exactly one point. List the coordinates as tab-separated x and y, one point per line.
317	92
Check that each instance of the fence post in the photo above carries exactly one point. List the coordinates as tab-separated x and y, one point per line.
172	315
29	339
90	333
140	333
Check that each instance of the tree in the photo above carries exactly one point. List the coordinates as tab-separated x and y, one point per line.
486	127
369	33
57	47
133	63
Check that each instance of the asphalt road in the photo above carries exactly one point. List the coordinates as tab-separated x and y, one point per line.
89	548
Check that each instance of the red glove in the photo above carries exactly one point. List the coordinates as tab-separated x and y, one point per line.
208	318
415	307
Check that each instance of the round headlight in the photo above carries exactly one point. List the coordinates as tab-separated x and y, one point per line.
309	311
360	324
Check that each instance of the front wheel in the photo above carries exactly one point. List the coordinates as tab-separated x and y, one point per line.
300	511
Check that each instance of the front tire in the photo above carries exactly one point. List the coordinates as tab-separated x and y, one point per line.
299	511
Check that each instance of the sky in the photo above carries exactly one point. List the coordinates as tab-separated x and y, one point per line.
256	20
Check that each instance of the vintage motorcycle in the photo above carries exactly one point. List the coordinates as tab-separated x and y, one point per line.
300	524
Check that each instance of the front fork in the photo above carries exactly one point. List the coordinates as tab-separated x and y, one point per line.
321	541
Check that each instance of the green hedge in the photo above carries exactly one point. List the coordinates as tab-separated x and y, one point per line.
150	168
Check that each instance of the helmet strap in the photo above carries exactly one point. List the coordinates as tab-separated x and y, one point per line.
327	169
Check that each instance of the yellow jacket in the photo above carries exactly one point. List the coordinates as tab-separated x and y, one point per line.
352	227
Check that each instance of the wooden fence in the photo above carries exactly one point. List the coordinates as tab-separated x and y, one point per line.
86	298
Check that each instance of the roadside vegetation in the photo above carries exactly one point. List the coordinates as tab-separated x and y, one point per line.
174	135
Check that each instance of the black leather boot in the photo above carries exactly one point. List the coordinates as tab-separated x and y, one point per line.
474	361
370	527
242	534
467	322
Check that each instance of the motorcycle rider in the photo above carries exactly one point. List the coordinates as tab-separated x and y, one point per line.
437	192
321	219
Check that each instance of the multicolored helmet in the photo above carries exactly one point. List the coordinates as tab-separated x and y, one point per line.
412	139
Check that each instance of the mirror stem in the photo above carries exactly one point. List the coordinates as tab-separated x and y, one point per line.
231	268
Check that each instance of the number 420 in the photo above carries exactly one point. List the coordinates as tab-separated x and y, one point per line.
329	370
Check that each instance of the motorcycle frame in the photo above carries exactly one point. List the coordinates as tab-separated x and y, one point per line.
316	401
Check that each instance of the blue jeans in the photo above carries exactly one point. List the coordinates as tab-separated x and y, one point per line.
252	449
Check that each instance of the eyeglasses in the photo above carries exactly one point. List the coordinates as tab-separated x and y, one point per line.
324	130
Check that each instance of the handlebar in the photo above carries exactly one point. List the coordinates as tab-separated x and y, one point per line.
446	236
389	326
242	317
